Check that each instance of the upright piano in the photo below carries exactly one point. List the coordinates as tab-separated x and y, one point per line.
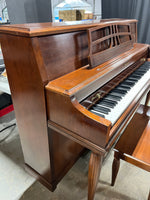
74	86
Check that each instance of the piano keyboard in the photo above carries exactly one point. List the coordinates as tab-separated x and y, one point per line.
117	100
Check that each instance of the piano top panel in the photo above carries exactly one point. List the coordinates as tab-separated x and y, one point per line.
41	29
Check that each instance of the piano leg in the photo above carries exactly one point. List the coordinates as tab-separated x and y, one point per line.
147	98
93	174
115	167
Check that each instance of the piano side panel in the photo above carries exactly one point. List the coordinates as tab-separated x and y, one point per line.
27	76
64	53
28	100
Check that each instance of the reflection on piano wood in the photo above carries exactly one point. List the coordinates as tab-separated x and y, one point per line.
73	87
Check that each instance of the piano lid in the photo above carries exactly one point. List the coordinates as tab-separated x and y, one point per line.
41	29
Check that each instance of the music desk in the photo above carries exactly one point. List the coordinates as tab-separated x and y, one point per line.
134	144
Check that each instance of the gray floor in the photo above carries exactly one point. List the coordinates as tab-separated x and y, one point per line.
132	183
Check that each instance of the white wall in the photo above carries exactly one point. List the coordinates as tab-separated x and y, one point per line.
2	5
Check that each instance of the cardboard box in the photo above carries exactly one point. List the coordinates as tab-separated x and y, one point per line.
71	15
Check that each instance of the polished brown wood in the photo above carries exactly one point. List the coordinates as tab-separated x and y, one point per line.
115	168
93	175
134	144
42	29
50	75
108	42
27	77
63	102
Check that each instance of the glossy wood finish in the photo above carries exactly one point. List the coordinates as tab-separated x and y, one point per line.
134	144
64	53
85	81
115	168
137	144
108	42
25	79
64	153
42	29
81	121
63	107
54	127
68	117
31	63
93	174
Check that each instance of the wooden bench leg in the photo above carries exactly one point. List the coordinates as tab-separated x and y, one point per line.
115	167
93	174
147	99
149	196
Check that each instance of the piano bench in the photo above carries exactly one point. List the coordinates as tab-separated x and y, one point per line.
134	144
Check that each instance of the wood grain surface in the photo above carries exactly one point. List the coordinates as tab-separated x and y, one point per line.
49	74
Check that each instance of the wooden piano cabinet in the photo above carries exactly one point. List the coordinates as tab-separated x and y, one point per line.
30	63
36	54
134	144
25	75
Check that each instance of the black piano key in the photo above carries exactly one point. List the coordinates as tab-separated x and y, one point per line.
133	79
107	102
148	66
116	94
142	70
144	67
121	87
135	76
120	91
128	83
97	113
103	103
104	106
112	97
124	84
111	101
101	109
139	73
